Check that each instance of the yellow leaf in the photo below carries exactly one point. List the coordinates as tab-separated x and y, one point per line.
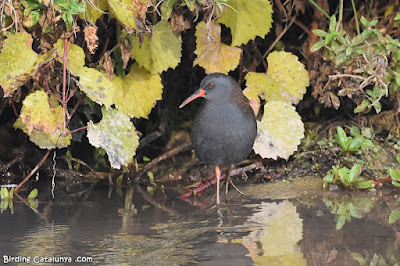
129	12
75	54
41	113
46	140
94	9
96	86
286	79
116	135
18	62
159	52
212	54
137	92
41	119
247	19
279	131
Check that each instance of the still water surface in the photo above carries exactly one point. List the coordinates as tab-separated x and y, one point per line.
274	224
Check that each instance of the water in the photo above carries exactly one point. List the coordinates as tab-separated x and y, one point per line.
274	224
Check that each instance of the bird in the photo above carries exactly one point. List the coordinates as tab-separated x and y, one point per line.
225	128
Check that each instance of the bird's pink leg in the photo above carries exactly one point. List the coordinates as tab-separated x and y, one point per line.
218	177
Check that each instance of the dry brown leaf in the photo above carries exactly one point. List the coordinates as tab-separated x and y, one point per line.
91	38
108	66
179	24
126	48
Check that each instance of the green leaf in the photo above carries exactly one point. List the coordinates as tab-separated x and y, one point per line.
116	134
317	46
33	194
364	21
247	19
159	52
320	33
364	104
367	132
355	144
341	138
394	216
366	184
355	131
280	131
354	172
394	174
4	193
332	23
395	183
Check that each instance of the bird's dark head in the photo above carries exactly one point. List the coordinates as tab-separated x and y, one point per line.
215	87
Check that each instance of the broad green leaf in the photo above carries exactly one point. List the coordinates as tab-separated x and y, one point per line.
320	33
137	92
354	172
212	54
355	131
366	184
116	135
317	46
341	137
94	9
33	193
280	131
247	19
96	86
75	55
18	62
394	174
394	216
159	52
166	9
129	13
4	193
286	79
355	144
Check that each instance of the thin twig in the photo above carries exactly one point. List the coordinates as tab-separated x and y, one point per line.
34	170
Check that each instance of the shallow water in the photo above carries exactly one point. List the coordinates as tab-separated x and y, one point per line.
274	224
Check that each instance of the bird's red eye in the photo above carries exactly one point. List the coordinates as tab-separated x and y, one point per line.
211	85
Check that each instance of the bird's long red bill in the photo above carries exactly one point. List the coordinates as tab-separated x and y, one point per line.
199	93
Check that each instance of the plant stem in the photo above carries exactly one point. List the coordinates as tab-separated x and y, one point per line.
355	16
319	8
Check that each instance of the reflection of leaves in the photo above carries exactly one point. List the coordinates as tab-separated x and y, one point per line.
394	216
348	207
278	229
212	54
